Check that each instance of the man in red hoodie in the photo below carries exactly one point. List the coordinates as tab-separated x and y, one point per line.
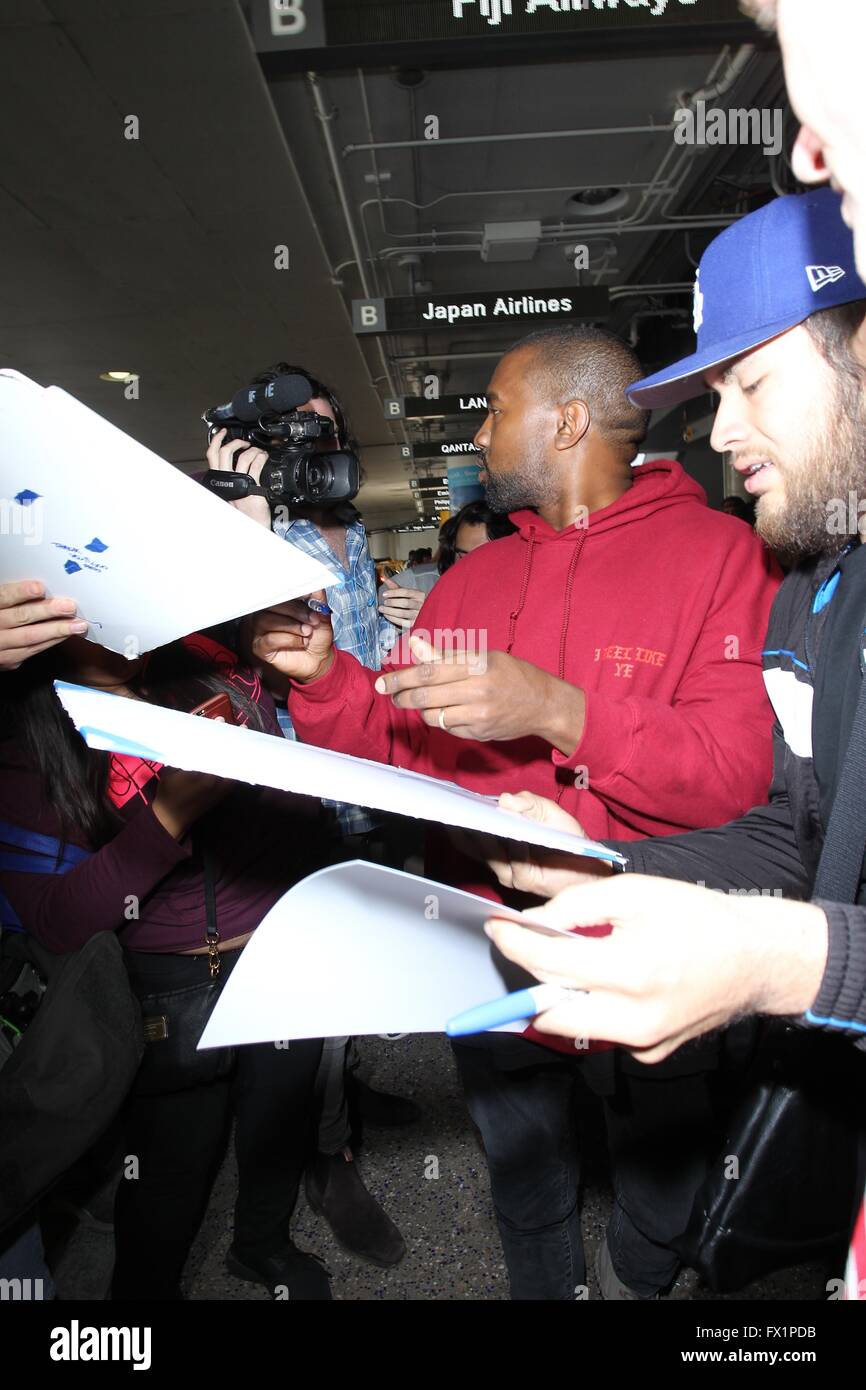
610	660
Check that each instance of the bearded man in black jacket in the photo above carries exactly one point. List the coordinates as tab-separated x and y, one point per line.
780	315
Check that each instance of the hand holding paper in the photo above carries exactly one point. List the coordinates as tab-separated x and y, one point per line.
31	623
201	745
146	554
528	869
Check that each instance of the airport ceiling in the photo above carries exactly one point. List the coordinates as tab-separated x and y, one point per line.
157	254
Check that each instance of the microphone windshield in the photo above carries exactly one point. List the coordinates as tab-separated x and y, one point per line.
281	394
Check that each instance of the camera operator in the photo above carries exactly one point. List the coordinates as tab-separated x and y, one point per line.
331	533
335	535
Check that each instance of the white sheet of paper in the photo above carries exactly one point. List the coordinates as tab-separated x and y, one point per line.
148	554
357	949
245	755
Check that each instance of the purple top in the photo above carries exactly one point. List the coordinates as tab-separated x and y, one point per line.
259	842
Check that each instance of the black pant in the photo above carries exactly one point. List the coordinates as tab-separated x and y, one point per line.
659	1129
178	1139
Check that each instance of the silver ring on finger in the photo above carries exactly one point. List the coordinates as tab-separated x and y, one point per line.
442	725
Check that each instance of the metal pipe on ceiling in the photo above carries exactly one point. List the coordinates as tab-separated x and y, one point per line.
672	287
675	178
684	161
445	356
662	184
325	118
375	172
472	193
581	132
608	229
657	187
736	67
389	251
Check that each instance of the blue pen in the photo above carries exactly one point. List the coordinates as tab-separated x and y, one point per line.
318	607
524	1003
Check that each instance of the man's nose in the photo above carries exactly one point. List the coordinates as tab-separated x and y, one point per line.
807	158
729	428
482	437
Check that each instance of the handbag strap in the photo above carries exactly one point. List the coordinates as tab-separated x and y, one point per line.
841	862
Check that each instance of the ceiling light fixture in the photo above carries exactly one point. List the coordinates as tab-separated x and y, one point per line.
408	77
597	202
118	377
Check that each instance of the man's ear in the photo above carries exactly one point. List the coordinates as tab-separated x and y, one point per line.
573	424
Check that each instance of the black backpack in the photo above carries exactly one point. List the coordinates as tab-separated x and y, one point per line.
71	1044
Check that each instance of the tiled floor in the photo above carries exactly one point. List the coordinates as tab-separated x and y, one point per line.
447	1222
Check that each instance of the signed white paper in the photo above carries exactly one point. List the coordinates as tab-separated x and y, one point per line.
245	755
357	949
148	554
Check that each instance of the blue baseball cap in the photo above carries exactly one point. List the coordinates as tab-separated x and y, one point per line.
760	277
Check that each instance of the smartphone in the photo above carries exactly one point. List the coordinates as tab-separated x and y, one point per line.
217	707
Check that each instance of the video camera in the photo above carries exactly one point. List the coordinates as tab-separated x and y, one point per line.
298	470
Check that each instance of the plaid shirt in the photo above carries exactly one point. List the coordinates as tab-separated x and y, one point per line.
358	627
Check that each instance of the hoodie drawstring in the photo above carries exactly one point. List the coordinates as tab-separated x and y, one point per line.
566	615
566	611
566	619
524	585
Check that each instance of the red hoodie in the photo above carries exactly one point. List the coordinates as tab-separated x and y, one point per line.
657	609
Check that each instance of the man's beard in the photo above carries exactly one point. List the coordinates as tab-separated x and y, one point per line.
532	486
817	486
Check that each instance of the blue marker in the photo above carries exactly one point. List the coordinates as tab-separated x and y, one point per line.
318	607
524	1003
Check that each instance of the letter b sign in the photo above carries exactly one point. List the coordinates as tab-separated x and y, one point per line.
368	315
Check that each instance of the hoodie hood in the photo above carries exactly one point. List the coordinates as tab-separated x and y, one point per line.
656	486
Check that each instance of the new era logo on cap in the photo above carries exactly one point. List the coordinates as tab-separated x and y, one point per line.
821	275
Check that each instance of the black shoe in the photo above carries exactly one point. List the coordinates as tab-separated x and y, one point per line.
335	1190
289	1273
380	1108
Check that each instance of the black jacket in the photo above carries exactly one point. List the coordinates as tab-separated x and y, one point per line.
812	667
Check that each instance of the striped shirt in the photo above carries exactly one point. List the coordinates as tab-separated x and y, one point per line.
358	626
